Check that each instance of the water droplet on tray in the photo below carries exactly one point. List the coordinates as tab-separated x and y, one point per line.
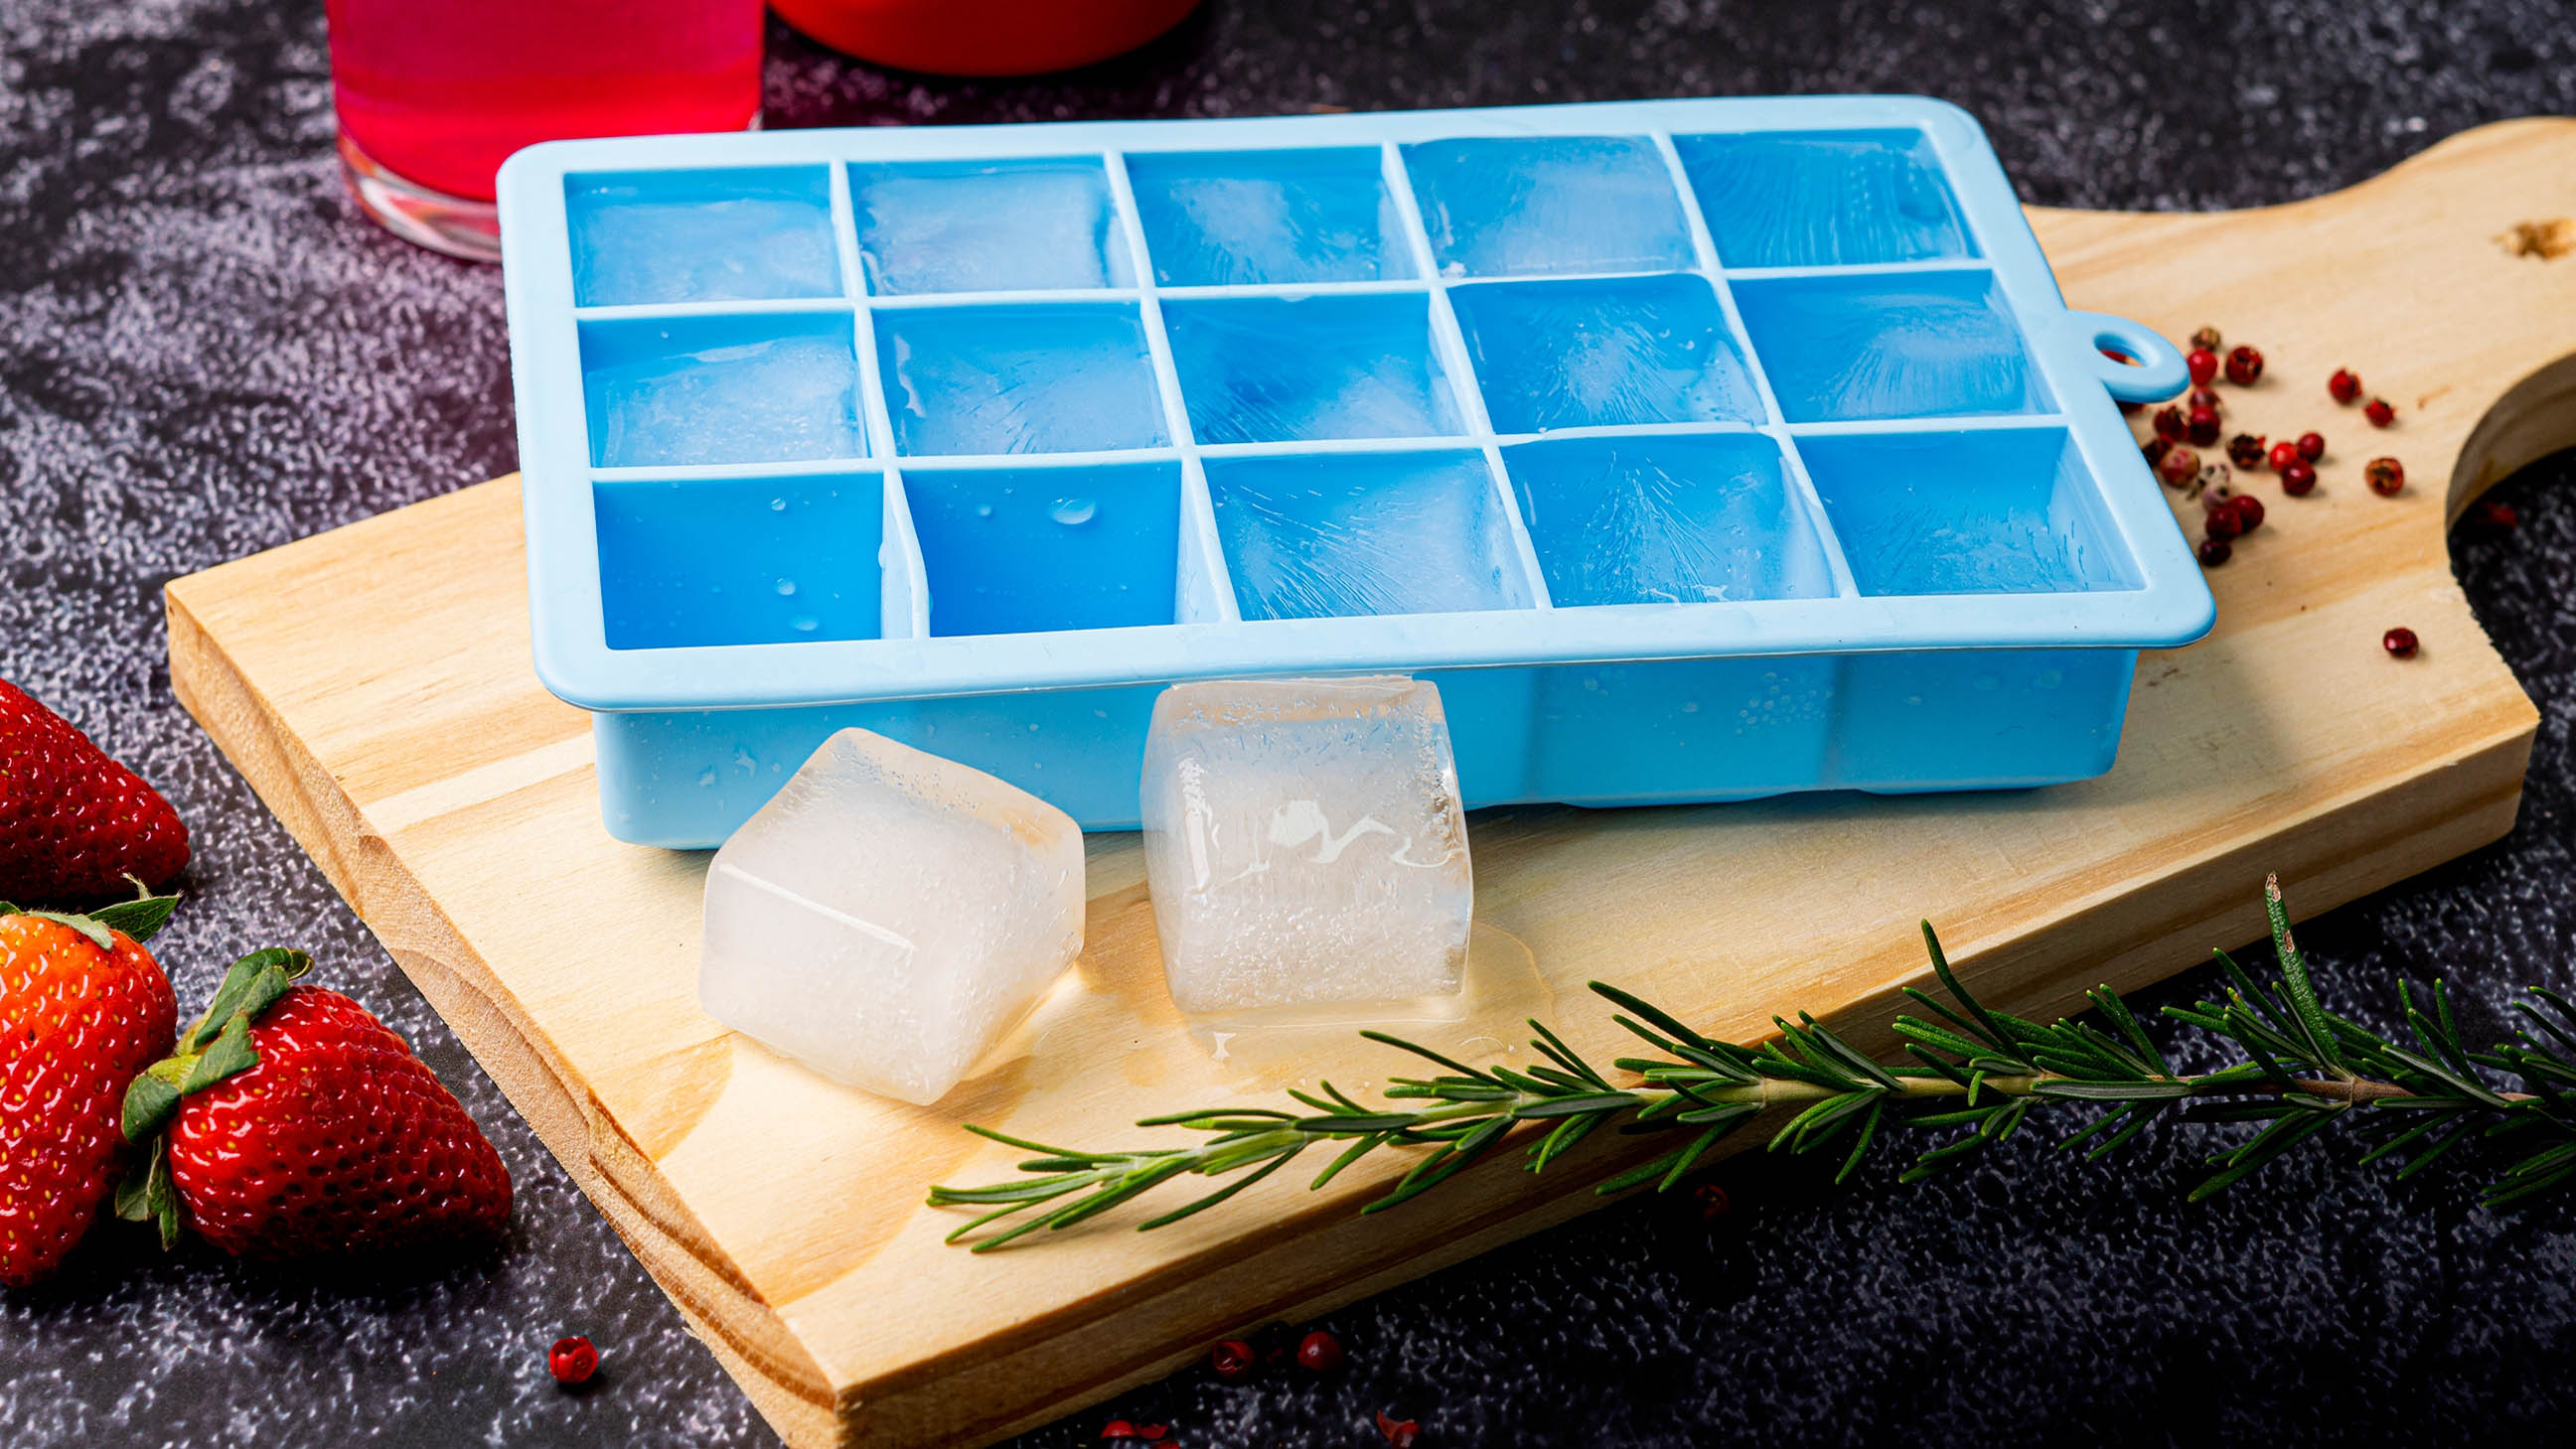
786	587
1073	512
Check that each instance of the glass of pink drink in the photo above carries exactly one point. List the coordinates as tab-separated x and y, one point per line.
433	95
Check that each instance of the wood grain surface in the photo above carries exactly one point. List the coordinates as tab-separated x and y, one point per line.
373	684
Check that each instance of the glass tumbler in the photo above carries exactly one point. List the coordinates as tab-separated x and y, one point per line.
432	95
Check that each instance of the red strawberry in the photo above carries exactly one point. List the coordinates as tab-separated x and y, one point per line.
304	1126
82	1009
74	823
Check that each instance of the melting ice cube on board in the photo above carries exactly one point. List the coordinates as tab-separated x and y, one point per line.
889	915
1304	843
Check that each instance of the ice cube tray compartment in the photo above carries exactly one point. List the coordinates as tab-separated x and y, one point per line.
1683	444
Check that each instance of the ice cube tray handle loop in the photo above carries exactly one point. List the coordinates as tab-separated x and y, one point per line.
2157	372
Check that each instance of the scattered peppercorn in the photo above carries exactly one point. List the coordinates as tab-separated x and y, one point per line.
2178	466
2213	552
2379	412
1232	1360
2496	515
2344	386
1320	1352
2386	476
1712	1200
2201	397
2245	450
1153	1431
1400	1433
2170	423
2216	486
2205	339
2155	449
2223	522
2312	446
2244	365
2300	478
2202	427
572	1360
2399	642
2249	512
1118	1429
2203	364
2283	454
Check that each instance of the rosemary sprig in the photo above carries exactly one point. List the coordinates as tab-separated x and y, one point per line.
1970	1068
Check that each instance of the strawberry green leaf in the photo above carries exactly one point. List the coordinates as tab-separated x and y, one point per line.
148	1196
83	924
252	984
149	1104
229	1055
140	918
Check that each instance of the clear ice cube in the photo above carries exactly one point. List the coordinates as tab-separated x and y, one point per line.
1038	378
1527	206
1823	199
1595	353
986	226
1273	369
1930	345
1304	844
773	400
1341	534
716	250
1672	519
889	916
1283	216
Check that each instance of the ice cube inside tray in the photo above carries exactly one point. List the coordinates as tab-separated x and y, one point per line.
1364	533
1823	198
1597	352
1304	843
987	226
750	233
752	389
1889	345
1235	218
1980	511
1053	377
889	915
1666	519
1535	205
1282	369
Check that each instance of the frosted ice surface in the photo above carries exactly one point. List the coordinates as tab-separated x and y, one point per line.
1346	534
1533	205
889	916
1304	843
1584	354
753	402
1835	353
1316	367
1299	218
1822	200
1028	379
1001	227
1675	520
702	251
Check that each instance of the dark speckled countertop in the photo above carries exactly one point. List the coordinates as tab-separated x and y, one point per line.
203	353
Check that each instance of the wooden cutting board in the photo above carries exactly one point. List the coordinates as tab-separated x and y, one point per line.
373	684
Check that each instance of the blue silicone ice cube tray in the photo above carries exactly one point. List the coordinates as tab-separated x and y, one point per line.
1697	450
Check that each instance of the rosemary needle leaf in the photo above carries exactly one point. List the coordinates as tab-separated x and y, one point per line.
1221	1194
1351	1154
1661	1019
1980	1069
